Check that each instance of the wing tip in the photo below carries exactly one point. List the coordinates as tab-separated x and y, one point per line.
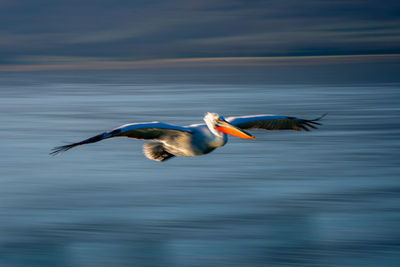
320	117
96	138
312	123
59	149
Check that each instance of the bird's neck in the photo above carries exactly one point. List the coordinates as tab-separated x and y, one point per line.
216	139
210	124
219	140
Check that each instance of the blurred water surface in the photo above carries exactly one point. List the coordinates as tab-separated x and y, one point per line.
330	197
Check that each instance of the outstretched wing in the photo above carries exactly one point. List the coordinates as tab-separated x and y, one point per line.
146	131
274	122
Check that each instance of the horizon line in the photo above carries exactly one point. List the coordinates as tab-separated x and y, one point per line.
76	63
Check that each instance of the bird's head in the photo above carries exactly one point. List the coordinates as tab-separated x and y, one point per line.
219	126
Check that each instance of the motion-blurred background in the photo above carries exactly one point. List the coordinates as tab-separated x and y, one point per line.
72	69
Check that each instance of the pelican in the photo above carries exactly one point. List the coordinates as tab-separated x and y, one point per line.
196	139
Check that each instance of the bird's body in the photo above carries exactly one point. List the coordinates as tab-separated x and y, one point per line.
197	139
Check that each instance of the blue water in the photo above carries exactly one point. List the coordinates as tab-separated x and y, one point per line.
329	197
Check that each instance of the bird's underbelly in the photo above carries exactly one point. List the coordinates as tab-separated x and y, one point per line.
197	144
189	150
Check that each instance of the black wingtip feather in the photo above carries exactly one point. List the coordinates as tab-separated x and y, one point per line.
60	149
308	124
304	128
320	117
311	123
314	122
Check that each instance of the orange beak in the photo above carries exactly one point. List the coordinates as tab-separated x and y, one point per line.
228	128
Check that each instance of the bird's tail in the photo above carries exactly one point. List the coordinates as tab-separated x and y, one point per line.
59	149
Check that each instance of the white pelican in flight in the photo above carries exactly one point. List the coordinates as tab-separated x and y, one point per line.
197	139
